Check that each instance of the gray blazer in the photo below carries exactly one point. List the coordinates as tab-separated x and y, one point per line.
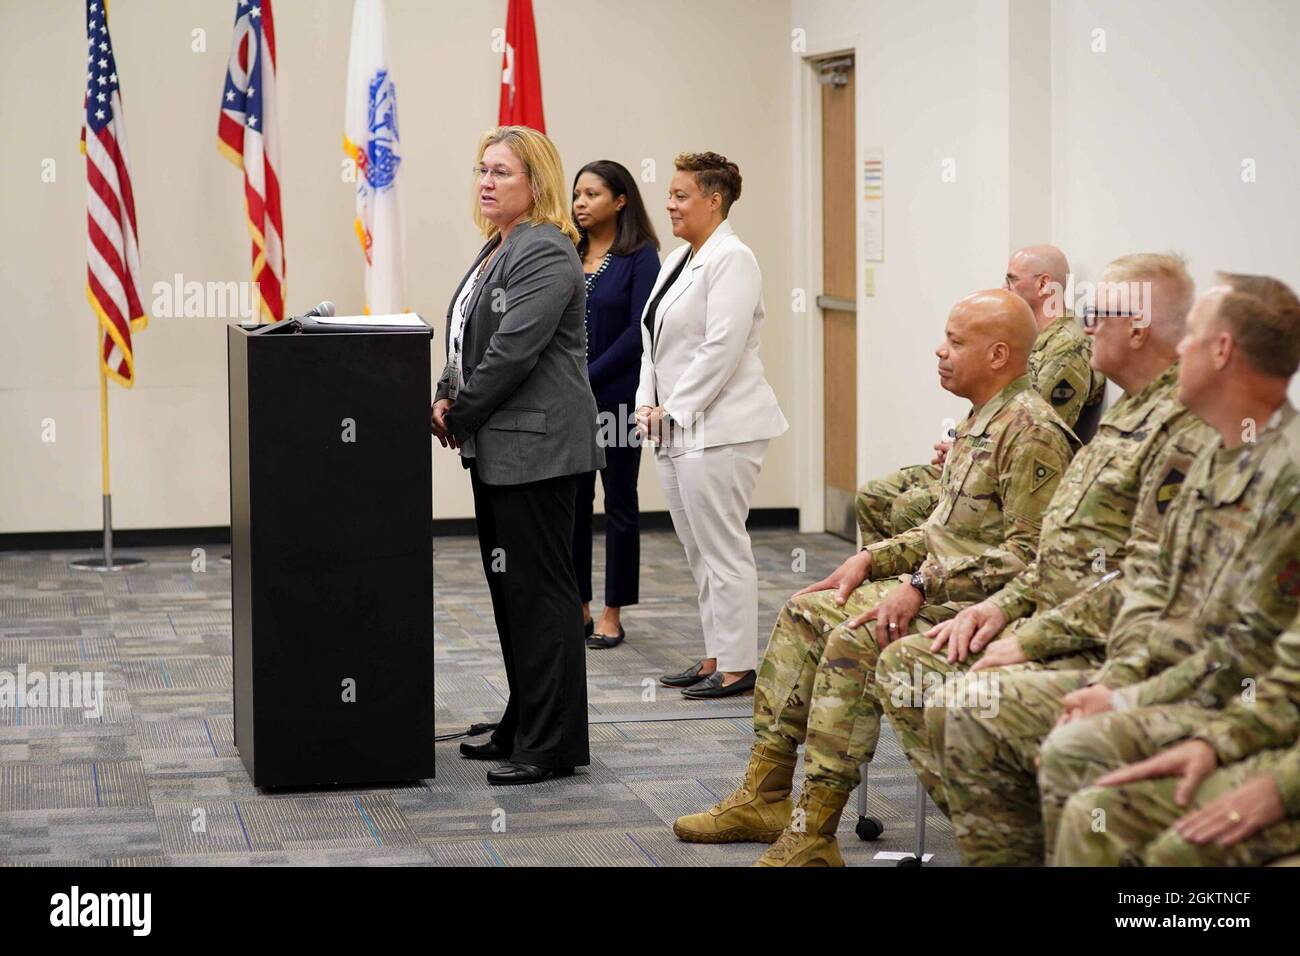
527	400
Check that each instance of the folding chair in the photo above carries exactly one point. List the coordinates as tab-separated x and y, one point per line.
870	828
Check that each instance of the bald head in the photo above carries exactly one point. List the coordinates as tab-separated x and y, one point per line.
1037	274
988	340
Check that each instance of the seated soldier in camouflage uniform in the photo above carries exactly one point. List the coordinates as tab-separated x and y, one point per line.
1086	528
1245	813
815	683
1208	575
1058	370
1231	580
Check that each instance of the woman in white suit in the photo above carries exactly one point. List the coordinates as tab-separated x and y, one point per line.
707	408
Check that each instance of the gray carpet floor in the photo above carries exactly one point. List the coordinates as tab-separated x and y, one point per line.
156	779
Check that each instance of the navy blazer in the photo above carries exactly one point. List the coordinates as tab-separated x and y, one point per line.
614	329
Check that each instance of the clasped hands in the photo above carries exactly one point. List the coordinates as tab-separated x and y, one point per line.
438	423
653	423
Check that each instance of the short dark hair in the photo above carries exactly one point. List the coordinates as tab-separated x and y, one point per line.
1263	317
714	173
632	229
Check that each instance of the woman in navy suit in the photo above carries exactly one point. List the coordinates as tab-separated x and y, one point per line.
620	261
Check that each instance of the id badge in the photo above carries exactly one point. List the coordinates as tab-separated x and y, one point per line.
453	385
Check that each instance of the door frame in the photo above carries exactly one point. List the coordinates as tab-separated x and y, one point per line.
806	208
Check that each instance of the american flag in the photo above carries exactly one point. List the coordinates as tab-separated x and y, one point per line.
248	135
112	253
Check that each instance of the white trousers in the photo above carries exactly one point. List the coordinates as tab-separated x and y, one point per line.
708	494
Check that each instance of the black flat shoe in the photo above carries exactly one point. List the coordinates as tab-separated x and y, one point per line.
487	751
598	641
517	773
589	628
692	675
712	687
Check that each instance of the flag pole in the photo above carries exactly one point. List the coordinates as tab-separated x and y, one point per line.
105	563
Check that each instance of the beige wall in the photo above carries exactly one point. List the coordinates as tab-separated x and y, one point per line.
622	79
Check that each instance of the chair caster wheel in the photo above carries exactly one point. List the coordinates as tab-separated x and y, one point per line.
869	828
910	861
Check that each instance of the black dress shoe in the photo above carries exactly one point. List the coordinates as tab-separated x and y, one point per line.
589	628
487	751
597	641
517	773
712	687
692	675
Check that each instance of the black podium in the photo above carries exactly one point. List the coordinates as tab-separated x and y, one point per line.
331	553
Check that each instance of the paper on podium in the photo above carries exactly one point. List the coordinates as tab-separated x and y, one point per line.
405	320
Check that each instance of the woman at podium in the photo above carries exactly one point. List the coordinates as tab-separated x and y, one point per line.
515	402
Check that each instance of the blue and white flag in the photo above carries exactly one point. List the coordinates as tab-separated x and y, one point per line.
370	138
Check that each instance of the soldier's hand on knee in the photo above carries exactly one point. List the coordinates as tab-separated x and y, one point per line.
893	615
1085	702
990	620
940	633
1003	652
1240	813
955	635
869	614
845	579
1191	760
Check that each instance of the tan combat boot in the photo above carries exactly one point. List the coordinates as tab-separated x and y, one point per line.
813	843
756	813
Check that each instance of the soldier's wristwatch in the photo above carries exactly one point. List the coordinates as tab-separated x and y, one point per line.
918	582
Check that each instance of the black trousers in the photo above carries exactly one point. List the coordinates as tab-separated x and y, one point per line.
524	533
622	528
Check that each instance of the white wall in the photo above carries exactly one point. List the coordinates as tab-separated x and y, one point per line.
933	82
1149	137
623	80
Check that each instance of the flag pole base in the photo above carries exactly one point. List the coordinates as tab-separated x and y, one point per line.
108	561
98	564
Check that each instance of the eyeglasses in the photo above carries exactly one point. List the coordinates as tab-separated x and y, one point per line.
496	175
1092	317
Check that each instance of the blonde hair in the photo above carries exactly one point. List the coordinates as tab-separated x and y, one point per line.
545	174
1170	269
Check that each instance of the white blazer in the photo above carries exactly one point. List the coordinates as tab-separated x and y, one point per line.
703	365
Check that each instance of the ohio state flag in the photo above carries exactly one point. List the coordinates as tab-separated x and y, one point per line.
521	73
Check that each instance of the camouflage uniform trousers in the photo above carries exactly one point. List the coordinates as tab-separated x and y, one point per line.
918	688
1135	826
816	683
1075	754
898	502
990	766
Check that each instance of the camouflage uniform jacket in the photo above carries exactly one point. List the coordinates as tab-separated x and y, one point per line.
1087	525
1006	461
1226	580
1060	370
1083	621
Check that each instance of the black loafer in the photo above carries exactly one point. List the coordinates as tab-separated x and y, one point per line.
517	773
692	675
487	751
712	687
597	641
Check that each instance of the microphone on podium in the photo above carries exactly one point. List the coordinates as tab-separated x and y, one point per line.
324	309
294	323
